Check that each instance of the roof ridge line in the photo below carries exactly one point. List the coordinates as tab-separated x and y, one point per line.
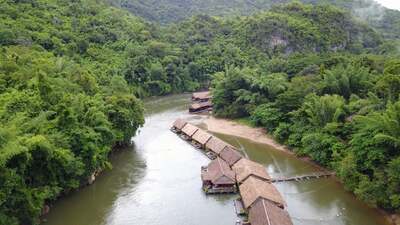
266	211
220	166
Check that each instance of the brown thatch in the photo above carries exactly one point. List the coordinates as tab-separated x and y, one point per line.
245	168
201	137
189	129
264	212
198	96
253	189
216	145
200	106
230	155
179	124
218	172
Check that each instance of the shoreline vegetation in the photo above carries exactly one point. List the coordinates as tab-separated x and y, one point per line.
73	73
243	129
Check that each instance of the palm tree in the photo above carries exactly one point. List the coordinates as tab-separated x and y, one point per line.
385	125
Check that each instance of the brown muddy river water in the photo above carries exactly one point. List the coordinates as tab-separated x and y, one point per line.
157	182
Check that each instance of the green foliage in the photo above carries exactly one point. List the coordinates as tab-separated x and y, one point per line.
304	28
57	128
63	101
71	73
386	21
282	132
320	147
345	116
266	115
321	110
302	78
237	101
105	39
374	152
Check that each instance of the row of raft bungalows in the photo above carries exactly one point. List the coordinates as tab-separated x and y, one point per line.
203	96
213	147
230	172
201	102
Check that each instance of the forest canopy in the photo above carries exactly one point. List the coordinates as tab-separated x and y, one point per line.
339	107
72	74
384	20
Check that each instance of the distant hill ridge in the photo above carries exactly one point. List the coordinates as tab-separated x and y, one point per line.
385	20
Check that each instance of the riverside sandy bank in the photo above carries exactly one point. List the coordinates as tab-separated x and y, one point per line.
255	134
233	128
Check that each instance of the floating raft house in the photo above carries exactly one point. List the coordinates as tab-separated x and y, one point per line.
203	96
178	125
200	107
245	168
259	197
215	145
230	155
254	189
188	131
201	138
264	212
218	177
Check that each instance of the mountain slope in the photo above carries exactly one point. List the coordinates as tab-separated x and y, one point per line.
169	11
64	102
70	71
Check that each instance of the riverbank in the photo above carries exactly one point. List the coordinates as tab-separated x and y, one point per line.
254	134
233	128
260	135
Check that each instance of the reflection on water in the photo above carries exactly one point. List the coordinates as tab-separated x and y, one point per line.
157	182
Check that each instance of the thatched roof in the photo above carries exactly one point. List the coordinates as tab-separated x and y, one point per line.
201	95
253	189
264	212
179	124
219	172
245	168
201	136
230	155
200	105
189	129
216	145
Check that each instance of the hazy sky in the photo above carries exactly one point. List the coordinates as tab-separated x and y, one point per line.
391	4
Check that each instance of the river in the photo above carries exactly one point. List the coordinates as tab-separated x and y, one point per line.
157	182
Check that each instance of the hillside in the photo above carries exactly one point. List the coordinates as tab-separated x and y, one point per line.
385	20
170	11
210	44
72	73
317	80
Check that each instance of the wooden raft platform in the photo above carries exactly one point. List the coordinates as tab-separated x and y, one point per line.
239	208
303	177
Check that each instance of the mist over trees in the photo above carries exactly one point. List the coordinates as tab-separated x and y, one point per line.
386	21
72	74
328	97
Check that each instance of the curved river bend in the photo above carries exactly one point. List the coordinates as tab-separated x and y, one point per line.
157	182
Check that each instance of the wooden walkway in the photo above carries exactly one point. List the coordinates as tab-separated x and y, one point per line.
303	177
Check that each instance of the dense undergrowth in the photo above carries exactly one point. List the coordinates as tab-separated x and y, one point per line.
72	73
340	107
386	21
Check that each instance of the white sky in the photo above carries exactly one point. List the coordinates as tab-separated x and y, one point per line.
391	4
